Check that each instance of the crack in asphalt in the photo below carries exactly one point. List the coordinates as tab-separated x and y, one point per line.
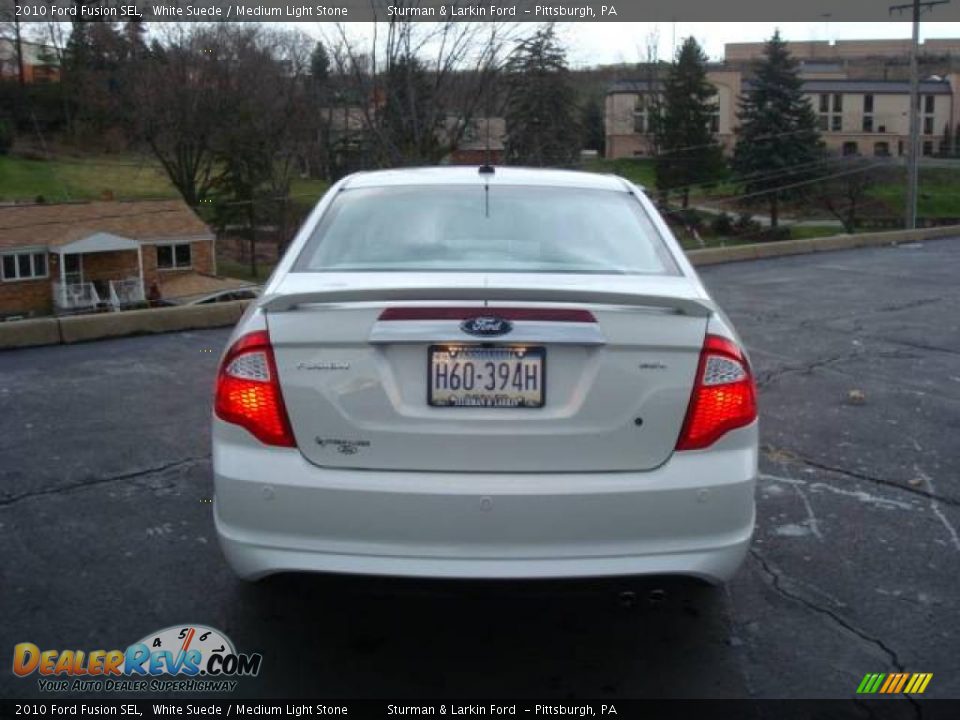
776	582
183	462
914	345
819	322
778	455
776	579
770	376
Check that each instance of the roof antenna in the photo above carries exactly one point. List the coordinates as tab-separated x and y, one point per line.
487	168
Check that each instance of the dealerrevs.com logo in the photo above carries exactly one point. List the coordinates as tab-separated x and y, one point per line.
188	658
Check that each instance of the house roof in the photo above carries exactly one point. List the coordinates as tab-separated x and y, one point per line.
98	242
52	225
633	86
878	87
190	285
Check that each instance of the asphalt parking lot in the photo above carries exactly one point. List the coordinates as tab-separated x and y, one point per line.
106	536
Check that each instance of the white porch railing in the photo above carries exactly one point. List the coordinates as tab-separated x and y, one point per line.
126	292
75	296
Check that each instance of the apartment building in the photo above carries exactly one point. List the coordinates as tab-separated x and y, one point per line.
40	62
858	89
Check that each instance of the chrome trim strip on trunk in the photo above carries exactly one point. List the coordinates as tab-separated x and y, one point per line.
448	331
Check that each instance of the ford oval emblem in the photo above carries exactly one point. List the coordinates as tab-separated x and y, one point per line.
486	326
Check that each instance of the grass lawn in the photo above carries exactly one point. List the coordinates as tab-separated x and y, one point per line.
128	177
636	170
125	176
939	192
307	191
815	231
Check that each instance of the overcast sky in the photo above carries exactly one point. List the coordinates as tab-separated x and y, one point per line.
602	43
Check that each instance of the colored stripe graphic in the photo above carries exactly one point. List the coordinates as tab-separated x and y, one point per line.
918	683
912	683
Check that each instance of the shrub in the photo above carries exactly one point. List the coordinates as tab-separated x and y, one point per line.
745	225
6	135
722	224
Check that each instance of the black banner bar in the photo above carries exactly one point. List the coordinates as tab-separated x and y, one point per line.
456	10
140	709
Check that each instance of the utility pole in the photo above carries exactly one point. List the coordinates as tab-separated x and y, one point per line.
913	146
19	41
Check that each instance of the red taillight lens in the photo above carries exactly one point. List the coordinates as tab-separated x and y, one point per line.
248	391
723	398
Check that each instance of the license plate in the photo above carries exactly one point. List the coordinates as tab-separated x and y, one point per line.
486	377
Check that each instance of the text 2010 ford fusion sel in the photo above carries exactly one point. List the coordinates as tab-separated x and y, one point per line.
494	373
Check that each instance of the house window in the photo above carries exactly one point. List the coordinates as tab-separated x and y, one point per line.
824	103
24	266
928	104
868	103
928	126
836	123
641	112
868	123
838	103
170	257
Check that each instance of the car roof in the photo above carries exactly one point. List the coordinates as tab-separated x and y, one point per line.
470	175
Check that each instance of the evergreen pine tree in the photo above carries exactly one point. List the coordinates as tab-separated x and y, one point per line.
778	137
541	114
688	152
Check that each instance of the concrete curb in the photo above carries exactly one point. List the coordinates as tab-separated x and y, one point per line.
757	251
81	328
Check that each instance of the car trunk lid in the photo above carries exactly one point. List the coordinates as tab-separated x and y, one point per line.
619	358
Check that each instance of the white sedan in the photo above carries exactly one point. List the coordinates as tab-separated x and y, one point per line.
493	373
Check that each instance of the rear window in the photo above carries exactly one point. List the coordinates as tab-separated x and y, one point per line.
502	229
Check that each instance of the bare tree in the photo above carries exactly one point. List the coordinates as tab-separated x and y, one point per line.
844	196
418	87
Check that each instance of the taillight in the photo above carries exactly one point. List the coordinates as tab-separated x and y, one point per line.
248	391
723	398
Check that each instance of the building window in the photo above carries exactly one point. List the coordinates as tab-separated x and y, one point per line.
881	149
824	121
868	123
824	103
715	122
836	123
24	266
927	147
850	148
838	103
170	257
868	103
928	126
928	104
640	114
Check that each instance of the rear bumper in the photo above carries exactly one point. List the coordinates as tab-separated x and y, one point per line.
275	512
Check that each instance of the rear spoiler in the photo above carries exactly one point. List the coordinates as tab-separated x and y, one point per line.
683	306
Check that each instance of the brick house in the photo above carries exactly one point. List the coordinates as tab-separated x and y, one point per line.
75	257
